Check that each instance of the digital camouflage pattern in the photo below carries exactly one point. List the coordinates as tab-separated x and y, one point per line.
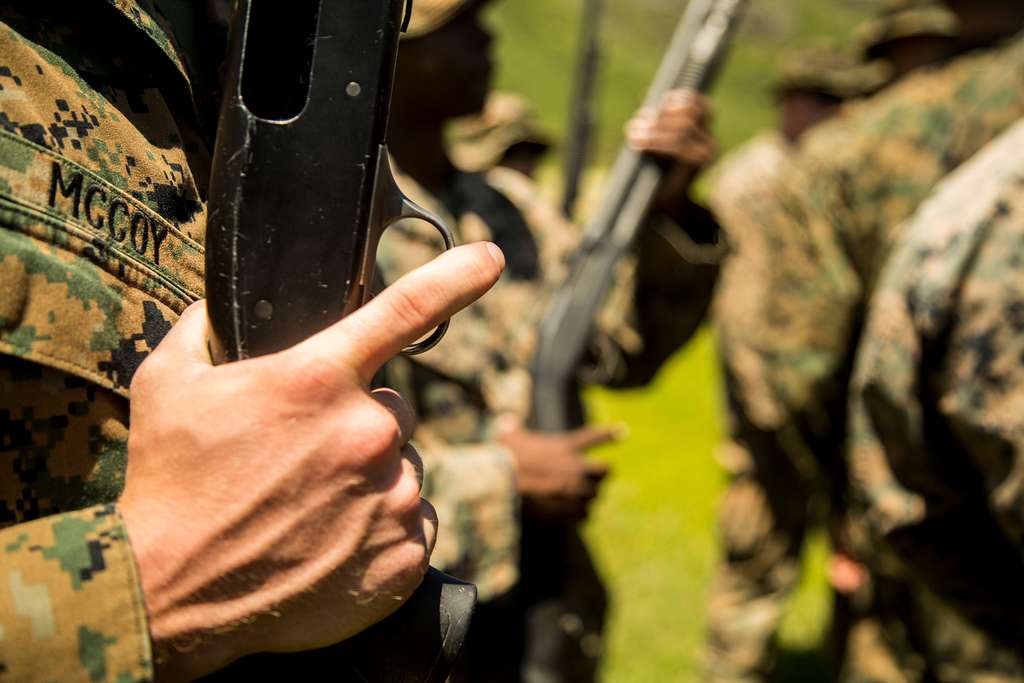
793	292
101	232
742	184
937	420
833	217
765	512
824	67
774	499
807	248
70	609
901	19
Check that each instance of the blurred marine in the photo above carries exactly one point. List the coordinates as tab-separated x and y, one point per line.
828	225
485	471
772	501
936	424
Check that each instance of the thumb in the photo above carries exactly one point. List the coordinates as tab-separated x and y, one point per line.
180	356
187	342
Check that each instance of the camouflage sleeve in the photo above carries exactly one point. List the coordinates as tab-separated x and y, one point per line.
468	476
70	604
937	428
473	489
663	295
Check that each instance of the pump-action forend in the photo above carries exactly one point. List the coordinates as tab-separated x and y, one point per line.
558	583
300	194
700	41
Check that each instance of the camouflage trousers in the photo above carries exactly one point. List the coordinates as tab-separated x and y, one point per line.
892	632
929	642
764	517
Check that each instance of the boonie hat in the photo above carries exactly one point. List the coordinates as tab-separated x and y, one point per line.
903	19
479	142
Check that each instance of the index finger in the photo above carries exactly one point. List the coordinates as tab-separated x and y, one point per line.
406	310
588	437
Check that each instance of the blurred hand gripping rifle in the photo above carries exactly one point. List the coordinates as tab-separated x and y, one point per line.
696	50
556	569
301	191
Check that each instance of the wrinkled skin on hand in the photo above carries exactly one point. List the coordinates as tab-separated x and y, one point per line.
277	506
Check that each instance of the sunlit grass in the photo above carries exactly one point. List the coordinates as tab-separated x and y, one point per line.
652	531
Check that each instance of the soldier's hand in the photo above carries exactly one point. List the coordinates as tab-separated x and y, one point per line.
555	477
845	574
274	503
678	129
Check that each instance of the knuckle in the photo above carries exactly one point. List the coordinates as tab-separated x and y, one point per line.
405	499
383	425
361	438
412	565
379	433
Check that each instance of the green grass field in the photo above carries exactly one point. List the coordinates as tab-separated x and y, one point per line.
653	528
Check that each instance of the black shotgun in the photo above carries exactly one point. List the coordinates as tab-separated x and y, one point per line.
300	193
563	597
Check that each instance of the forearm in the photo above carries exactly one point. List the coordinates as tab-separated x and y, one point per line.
670	294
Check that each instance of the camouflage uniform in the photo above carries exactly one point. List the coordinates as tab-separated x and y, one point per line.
772	500
936	420
762	516
826	226
481	369
101	233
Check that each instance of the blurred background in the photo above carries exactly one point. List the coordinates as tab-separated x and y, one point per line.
652	530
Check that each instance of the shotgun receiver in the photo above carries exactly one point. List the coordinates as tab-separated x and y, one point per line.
562	595
300	193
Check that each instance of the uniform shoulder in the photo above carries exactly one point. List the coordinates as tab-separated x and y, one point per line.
922	106
981	201
751	164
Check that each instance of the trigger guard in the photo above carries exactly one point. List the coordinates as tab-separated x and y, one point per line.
410	210
430	342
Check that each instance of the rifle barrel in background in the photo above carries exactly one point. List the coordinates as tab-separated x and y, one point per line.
582	120
559	584
697	47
